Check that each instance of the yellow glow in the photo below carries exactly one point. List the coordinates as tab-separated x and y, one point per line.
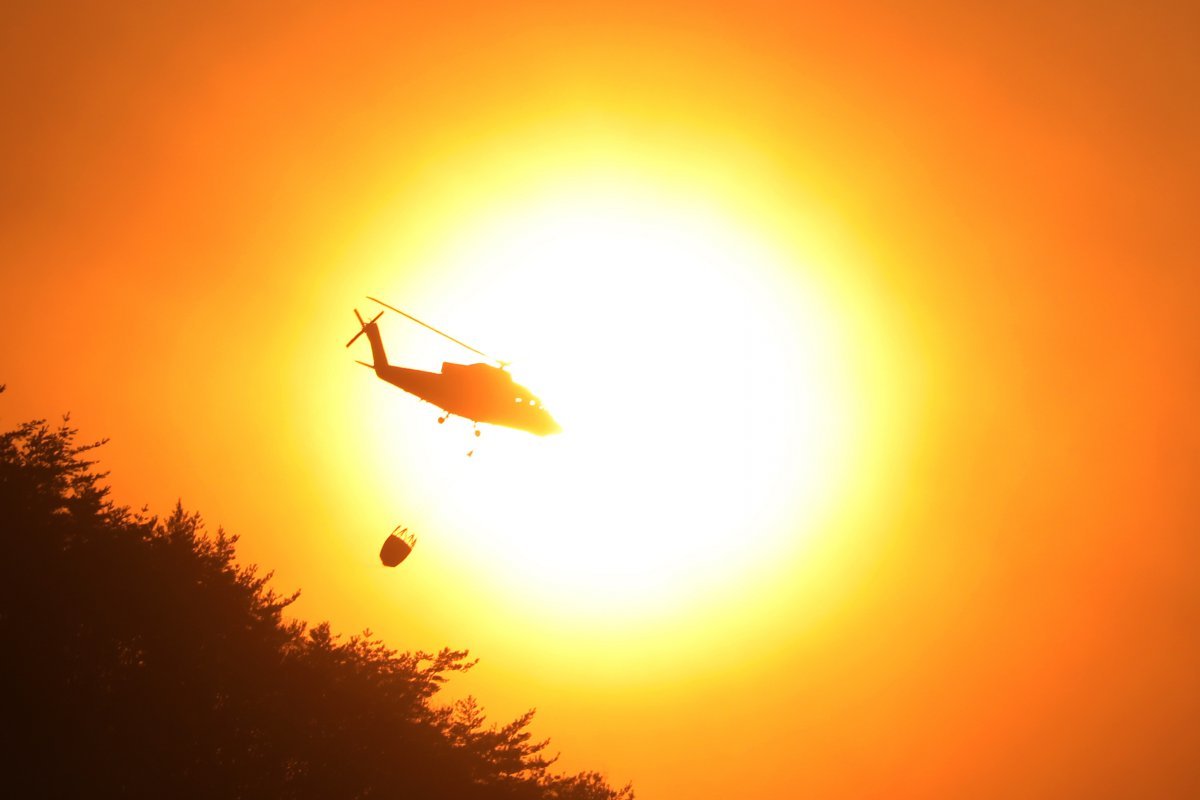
704	379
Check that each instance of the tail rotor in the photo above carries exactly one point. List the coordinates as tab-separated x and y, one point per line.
363	326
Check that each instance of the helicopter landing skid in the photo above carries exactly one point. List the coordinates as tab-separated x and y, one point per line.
475	425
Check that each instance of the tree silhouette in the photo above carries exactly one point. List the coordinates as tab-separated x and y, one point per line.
140	660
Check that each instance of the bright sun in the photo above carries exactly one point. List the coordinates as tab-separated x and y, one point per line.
702	387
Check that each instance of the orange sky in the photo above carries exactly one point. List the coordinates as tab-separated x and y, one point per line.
998	204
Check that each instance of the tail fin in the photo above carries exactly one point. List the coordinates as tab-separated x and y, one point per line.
363	326
372	331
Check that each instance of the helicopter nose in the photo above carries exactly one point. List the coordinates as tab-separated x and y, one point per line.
551	426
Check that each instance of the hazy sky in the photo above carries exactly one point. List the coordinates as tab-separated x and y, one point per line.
915	515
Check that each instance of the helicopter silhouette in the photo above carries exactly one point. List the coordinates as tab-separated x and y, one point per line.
478	392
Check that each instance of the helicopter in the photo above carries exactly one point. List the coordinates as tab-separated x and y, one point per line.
479	392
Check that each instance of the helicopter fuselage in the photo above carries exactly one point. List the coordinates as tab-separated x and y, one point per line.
478	392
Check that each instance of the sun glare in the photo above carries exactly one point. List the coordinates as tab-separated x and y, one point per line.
702	386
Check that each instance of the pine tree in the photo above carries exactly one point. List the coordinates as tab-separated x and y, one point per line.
142	660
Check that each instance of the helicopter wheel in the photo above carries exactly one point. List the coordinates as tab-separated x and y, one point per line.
470	453
478	432
441	420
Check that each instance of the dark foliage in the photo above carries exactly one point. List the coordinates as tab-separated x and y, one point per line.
141	661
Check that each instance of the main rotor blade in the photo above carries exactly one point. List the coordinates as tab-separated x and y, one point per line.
458	342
